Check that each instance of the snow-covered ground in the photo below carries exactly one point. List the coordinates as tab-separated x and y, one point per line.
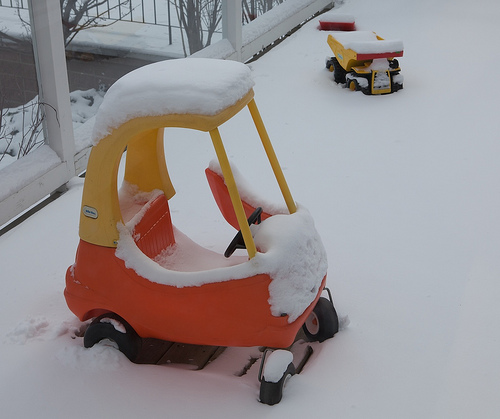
19	122
404	192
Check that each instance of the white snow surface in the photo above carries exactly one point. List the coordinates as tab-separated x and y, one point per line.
404	191
184	86
21	172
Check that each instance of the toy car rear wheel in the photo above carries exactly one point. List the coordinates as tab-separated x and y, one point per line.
393	64
339	72
322	323
329	64
113	327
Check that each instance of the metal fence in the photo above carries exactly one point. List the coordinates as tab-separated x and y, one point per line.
22	4
166	13
154	12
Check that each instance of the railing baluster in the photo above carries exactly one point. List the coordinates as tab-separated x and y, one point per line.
251	10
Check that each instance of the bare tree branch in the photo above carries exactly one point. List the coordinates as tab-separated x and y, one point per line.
76	17
197	17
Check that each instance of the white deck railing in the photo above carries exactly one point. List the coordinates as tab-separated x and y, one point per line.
48	169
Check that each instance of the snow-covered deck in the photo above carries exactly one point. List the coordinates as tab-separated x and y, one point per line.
404	190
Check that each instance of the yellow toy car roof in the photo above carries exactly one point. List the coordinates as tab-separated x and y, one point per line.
190	86
191	93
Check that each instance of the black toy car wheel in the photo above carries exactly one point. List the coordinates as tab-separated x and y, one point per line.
353	85
329	64
393	64
339	72
271	393
322	323
397	86
113	327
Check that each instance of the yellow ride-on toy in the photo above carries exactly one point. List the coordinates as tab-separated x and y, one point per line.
150	288
365	61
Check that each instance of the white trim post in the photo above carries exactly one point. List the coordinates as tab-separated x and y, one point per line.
52	74
231	24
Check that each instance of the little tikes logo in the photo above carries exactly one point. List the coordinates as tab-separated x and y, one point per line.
89	212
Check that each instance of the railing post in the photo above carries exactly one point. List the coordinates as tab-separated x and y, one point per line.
48	47
232	25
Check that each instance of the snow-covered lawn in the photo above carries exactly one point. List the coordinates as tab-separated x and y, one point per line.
404	192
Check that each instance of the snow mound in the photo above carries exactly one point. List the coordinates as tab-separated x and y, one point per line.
27	330
366	42
337	17
23	171
200	86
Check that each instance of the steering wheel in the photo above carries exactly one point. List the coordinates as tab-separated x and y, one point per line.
238	242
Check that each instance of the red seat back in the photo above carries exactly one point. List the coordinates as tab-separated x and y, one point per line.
155	232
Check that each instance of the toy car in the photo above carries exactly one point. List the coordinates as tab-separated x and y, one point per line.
144	281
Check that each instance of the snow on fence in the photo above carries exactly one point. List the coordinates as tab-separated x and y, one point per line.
47	169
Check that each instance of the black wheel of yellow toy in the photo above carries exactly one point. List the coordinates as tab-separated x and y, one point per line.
339	72
353	85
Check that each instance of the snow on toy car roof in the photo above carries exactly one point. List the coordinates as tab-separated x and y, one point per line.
198	86
366	42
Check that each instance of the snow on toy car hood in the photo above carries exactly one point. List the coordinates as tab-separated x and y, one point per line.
199	86
289	250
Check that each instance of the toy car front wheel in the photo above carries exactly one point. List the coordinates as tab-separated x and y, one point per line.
275	375
322	323
113	327
353	85
397	86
